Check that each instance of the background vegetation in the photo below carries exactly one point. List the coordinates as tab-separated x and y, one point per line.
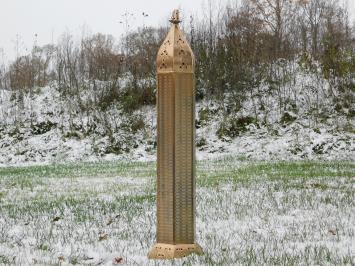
244	52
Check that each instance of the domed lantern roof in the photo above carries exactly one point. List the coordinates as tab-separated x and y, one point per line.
175	54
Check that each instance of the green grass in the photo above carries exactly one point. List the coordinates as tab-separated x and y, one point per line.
241	206
216	172
94	169
208	172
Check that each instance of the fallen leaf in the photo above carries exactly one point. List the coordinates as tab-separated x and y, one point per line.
332	231
118	260
61	258
56	219
103	237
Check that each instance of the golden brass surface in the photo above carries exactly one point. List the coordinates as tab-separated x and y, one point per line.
176	147
175	54
166	251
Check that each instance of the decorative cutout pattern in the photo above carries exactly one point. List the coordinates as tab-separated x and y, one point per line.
166	251
175	54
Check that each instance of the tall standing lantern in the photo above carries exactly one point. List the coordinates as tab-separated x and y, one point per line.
176	147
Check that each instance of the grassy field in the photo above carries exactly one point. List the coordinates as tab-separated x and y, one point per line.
248	213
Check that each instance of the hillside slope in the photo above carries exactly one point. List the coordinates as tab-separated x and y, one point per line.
41	127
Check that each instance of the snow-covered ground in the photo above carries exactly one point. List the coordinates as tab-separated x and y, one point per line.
298	213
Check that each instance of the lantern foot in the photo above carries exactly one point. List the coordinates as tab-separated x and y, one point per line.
168	251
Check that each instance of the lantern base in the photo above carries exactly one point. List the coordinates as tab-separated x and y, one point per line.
168	251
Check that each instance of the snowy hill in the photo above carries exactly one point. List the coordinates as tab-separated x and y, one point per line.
40	130
295	141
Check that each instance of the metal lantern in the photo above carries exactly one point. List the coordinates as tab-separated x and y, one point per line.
176	147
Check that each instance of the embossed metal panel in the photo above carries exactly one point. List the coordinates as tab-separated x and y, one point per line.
165	165
184	159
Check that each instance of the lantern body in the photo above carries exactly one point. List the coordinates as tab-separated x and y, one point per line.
176	148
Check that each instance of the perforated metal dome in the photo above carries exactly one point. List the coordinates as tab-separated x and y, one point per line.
175	54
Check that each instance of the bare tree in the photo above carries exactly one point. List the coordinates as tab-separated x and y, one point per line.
314	13
278	16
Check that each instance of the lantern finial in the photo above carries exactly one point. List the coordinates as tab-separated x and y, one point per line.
175	17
